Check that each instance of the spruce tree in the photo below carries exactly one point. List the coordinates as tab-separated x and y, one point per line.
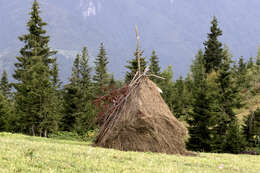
78	96
133	66
213	48
154	66
250	63
228	99
72	95
179	98
241	74
258	57
85	116
234	140
167	86
4	113
33	74
5	86
202	116
55	75
101	77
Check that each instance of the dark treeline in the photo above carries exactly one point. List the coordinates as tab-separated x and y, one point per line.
206	99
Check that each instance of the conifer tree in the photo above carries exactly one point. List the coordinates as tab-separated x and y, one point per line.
5	86
85	116
4	113
167	86
179	98
241	74
258	57
234	140
133	66
154	66
78	96
213	48
228	98
112	81
250	63
55	75
33	74
202	114
101	77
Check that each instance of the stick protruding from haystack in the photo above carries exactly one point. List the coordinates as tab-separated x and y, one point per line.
138	49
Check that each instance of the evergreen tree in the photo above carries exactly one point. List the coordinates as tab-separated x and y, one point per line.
179	98
241	74
85	116
133	66
5	86
213	48
33	73
258	57
228	91
228	99
101	77
78	96
167	86
202	114
154	66
55	75
234	141
112	81
4	113
250	63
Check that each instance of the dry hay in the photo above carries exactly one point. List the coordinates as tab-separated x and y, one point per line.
142	121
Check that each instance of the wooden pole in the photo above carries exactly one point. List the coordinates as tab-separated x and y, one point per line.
138	50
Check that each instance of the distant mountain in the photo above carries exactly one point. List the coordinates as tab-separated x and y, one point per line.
176	29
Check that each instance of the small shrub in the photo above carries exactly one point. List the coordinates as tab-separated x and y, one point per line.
90	135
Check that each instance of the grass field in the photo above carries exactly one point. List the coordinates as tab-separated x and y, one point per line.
19	153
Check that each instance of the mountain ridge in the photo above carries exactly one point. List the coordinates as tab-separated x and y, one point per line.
175	29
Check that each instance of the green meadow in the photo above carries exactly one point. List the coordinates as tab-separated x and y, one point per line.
20	153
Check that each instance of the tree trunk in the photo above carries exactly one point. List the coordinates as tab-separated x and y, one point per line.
33	132
45	133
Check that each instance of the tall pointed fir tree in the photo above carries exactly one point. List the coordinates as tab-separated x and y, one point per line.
78	96
213	48
179	98
154	66
228	99
202	116
72	97
242	74
101	77
4	114
5	86
167	86
133	66
86	116
34	103
258	57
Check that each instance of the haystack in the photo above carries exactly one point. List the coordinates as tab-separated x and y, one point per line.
143	122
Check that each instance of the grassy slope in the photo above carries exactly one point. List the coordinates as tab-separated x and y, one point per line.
19	153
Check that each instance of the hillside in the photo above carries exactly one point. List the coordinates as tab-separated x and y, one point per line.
19	153
175	28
